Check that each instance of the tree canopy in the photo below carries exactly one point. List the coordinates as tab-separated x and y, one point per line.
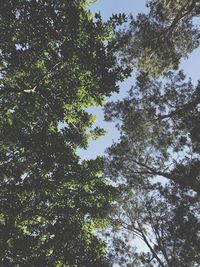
155	42
55	60
156	161
159	131
165	219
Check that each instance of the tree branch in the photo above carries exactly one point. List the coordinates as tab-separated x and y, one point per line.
180	16
149	246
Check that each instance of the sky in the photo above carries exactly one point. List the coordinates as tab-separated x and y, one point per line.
191	67
108	7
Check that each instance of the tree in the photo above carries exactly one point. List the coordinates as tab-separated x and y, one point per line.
159	132
155	42
165	219
159	141
55	60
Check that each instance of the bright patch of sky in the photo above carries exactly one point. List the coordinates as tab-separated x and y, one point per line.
109	7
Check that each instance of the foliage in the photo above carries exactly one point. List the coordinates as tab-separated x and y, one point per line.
155	42
156	162
166	220
159	132
55	61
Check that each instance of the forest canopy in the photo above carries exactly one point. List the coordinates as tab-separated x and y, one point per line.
156	162
56	60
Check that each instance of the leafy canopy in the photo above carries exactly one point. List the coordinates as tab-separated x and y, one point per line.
156	162
155	42
55	60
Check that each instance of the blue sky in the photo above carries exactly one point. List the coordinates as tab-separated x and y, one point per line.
107	7
191	67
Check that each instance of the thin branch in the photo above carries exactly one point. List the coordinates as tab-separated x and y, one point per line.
33	90
153	171
188	106
158	237
194	185
180	16
149	246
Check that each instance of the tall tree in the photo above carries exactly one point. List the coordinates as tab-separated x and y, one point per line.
159	132
165	219
159	139
156	41
55	61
